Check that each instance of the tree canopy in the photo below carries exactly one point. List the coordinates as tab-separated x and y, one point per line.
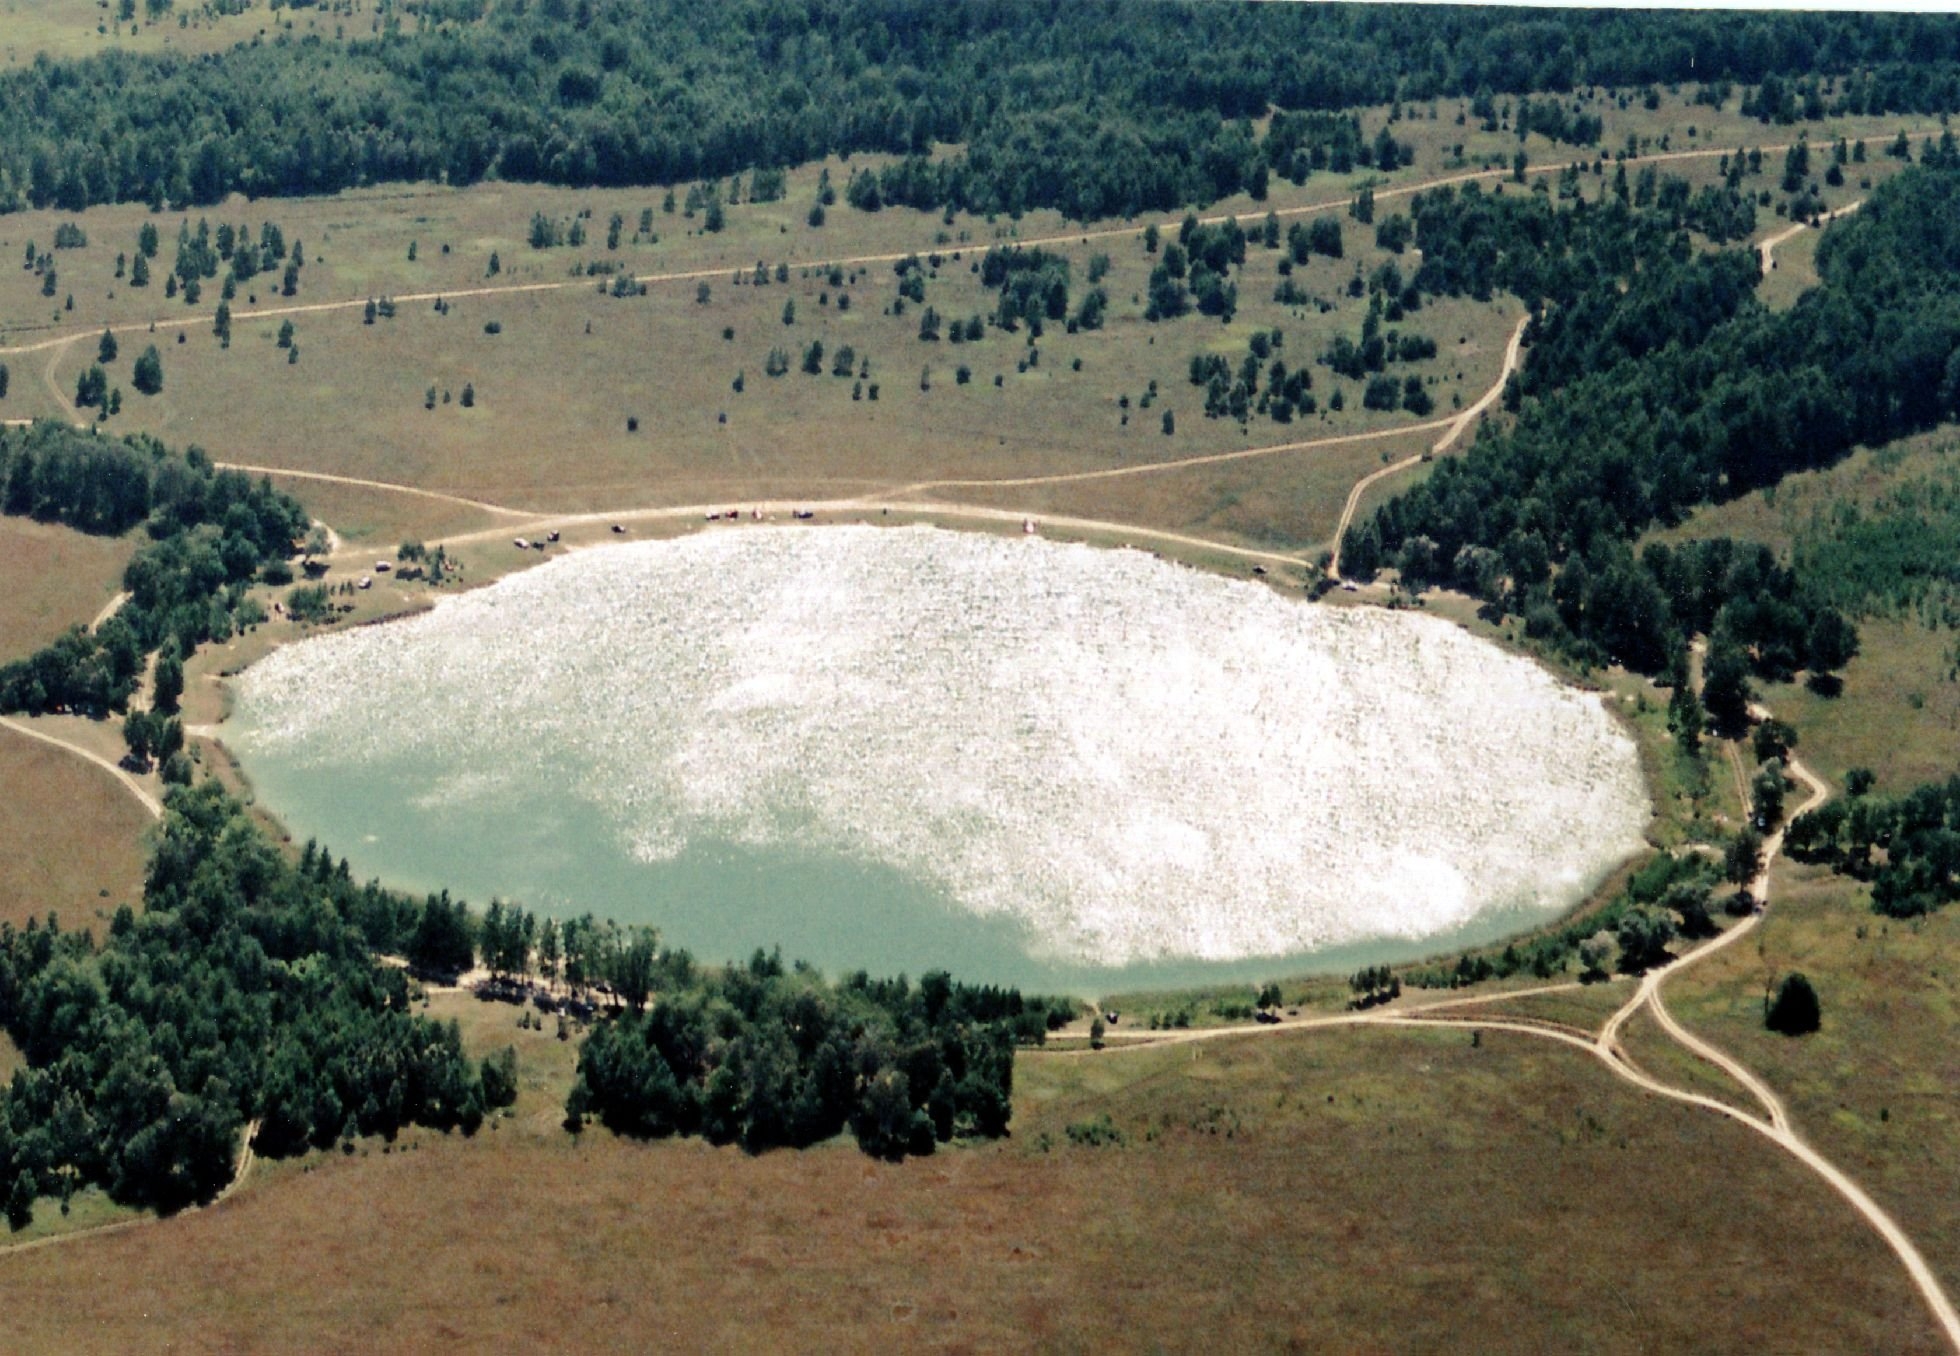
1095	107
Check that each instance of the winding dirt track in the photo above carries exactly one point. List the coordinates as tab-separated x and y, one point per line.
134	787
184	320
1455	430
1773	1125
1767	250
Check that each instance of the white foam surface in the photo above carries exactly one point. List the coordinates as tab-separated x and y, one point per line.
1137	760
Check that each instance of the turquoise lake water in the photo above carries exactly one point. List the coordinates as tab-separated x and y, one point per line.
722	900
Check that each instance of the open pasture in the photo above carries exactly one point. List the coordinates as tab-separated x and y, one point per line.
73	836
52	578
1873	1089
1323	1190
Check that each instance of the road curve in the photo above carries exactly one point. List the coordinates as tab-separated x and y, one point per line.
1767	250
130	784
1456	427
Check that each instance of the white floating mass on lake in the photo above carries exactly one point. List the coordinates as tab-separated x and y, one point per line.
1136	761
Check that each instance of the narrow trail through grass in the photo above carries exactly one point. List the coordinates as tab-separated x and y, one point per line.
1056	240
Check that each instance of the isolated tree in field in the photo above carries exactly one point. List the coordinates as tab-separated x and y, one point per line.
20	1201
221	325
147	375
92	387
286	334
5	377
469	395
1795	1010
146	240
789	311
1170	423
1832	642
105	350
139	272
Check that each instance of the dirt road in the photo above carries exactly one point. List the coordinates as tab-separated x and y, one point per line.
185	320
1767	250
134	787
1455	430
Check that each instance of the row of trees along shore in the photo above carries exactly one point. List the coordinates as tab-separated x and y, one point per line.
1094	108
758	1053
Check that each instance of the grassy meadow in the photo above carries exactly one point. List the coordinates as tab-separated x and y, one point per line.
1360	1191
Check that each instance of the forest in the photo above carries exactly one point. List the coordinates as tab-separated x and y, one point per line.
1093	108
211	534
241	993
1660	384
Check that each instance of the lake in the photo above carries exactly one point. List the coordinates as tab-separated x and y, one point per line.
908	748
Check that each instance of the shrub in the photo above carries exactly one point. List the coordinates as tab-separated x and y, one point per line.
1795	1010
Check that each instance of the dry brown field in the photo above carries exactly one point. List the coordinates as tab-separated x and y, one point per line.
52	578
73	838
1364	1191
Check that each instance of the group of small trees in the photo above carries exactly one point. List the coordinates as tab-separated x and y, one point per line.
762	1056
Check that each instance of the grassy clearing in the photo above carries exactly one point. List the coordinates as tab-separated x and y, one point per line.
1653	1050
52	578
1899	714
1586	1008
80	28
1319	1190
555	389
1873	1089
73	837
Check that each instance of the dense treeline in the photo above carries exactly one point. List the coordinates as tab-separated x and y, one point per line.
1909	848
1686	390
762	1057
211	532
1094	108
241	993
